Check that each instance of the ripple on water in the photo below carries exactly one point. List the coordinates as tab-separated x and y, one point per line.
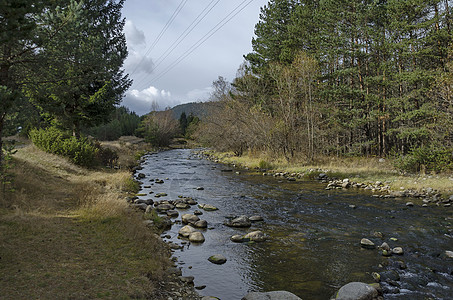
314	245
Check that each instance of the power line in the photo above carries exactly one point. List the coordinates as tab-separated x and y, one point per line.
182	36
173	46
210	33
162	32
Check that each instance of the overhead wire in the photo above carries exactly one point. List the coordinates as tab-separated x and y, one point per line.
202	40
183	36
162	32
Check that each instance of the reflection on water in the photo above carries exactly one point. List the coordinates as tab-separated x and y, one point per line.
314	246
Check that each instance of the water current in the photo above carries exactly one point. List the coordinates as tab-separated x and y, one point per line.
314	246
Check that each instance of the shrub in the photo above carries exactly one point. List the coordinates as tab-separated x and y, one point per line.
426	158
106	156
131	185
265	165
80	151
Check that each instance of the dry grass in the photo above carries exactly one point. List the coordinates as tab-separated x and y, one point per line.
358	169
126	147
68	232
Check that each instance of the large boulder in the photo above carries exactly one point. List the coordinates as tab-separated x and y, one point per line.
357	291
240	222
276	295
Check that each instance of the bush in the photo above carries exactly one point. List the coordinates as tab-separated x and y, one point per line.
80	151
427	159
265	165
106	156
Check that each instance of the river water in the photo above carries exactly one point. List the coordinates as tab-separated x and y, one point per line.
314	234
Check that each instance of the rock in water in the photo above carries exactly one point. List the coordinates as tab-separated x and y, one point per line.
237	238
357	291
398	250
385	246
201	224
186	231
256	219
240	222
196	237
366	243
207	207
276	295
449	254
217	259
256	236
189	218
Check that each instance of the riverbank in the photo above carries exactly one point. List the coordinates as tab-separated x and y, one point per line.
68	232
363	171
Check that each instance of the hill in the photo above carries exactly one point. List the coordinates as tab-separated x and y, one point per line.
199	109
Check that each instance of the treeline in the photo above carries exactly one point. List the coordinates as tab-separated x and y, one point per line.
61	68
352	77
160	127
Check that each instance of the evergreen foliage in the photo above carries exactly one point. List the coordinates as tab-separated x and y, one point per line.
60	63
359	77
81	151
123	122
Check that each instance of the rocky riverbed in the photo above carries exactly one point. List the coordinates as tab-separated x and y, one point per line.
269	229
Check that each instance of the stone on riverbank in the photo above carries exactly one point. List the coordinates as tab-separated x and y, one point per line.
172	213
217	259
357	291
164	207
449	254
187	279
276	295
366	243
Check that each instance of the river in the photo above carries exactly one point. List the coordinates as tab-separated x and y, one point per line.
314	246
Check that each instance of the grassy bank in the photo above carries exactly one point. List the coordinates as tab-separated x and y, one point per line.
67	232
363	170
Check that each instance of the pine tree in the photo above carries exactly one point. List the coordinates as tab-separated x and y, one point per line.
90	55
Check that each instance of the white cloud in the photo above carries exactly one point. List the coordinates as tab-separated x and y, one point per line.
149	99
134	36
137	63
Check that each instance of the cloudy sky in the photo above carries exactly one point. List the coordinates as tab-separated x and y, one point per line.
177	48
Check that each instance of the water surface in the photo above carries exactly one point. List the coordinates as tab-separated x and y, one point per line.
314	246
